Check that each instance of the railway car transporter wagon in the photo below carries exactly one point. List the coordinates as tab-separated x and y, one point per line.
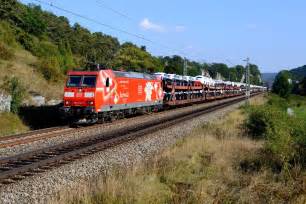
104	95
91	96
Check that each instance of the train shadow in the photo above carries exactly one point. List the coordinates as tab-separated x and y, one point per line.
42	116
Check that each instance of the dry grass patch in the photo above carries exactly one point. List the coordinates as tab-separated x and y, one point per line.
11	124
206	167
22	67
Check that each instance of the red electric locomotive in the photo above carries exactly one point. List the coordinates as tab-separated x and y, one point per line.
106	94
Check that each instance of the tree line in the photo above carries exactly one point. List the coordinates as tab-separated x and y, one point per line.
286	83
60	46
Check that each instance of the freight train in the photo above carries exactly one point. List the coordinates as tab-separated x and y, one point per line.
104	94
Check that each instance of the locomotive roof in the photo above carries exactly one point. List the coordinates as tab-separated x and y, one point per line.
82	72
134	75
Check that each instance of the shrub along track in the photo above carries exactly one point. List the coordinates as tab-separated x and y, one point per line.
20	166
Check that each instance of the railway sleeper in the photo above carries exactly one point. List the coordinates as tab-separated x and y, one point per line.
18	177
28	174
38	170
7	181
25	162
5	168
46	167
19	163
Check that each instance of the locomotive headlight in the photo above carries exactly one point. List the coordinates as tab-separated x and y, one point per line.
89	94
69	94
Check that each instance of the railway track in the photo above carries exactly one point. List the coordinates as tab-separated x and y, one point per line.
43	134
47	133
32	136
20	166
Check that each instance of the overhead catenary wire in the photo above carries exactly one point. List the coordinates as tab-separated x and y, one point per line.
230	62
94	21
119	13
108	26
124	15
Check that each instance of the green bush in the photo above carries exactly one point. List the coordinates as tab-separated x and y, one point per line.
66	59
50	68
276	101
32	21
6	53
285	136
272	124
7	34
281	85
281	144
46	49
14	87
298	132
262	119
29	42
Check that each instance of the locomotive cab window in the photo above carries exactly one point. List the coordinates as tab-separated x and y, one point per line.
89	81
81	81
74	81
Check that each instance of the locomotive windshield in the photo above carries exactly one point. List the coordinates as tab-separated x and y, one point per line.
89	81
81	81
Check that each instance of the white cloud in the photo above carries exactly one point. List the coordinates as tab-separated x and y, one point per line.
179	28
146	24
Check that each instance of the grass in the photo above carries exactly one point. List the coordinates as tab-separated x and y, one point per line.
298	104
22	66
216	163
16	61
300	112
11	124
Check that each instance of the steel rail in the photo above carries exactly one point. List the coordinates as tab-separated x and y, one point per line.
26	164
47	133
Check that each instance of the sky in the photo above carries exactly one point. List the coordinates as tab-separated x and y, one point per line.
272	33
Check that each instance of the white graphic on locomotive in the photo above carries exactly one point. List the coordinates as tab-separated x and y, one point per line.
148	90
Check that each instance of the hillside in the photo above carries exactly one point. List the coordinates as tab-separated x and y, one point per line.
296	74
52	40
268	78
299	73
37	48
23	65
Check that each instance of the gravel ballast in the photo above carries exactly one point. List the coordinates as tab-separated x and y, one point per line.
42	187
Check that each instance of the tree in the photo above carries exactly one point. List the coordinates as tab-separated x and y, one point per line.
132	58
233	76
282	84
302	87
255	77
218	68
173	64
103	49
32	21
65	57
10	10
